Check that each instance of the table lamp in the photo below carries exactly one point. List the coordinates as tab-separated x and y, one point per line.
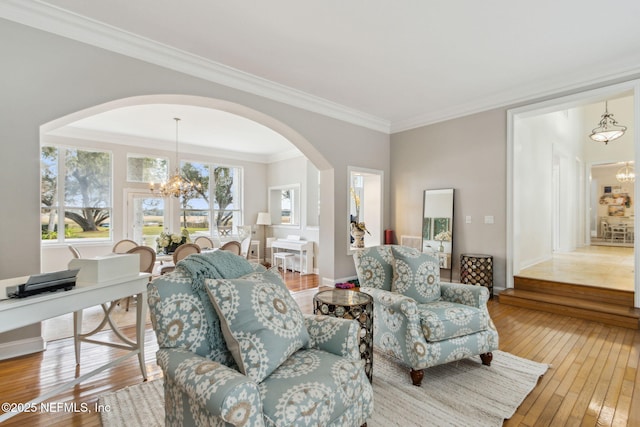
264	219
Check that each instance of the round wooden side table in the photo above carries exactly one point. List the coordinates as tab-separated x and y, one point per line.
351	305
477	269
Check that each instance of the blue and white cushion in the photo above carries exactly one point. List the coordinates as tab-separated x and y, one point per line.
416	274
260	321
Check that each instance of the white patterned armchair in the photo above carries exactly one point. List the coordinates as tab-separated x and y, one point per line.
236	350
419	320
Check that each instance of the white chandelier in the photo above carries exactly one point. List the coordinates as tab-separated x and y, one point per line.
176	185
608	128
626	173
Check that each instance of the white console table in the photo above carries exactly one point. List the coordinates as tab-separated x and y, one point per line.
17	313
303	247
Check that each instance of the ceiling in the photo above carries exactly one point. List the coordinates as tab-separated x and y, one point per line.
199	130
393	65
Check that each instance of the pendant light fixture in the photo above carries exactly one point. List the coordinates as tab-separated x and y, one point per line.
608	129
626	173
176	185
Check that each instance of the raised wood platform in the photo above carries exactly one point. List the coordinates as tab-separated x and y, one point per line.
610	306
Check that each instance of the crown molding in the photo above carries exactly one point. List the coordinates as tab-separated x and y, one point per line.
46	17
52	19
541	89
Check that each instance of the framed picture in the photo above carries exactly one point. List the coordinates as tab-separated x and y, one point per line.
440	225
616	210
609	189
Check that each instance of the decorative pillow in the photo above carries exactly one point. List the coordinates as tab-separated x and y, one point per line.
375	267
416	274
260	321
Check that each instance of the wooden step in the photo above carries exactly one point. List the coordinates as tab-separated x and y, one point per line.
605	312
592	293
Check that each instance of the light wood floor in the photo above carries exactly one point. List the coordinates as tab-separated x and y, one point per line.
602	266
594	379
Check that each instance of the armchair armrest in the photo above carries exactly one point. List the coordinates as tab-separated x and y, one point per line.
334	335
223	391
393	302
397	330
475	296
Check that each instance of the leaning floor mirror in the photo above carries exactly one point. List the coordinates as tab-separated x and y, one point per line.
437	226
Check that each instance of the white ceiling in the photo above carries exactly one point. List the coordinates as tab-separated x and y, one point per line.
220	133
396	64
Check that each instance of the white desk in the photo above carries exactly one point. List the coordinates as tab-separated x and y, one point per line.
17	313
304	247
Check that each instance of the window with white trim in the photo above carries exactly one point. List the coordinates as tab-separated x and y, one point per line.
214	207
75	193
142	168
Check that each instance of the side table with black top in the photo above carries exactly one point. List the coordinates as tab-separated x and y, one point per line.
348	304
477	269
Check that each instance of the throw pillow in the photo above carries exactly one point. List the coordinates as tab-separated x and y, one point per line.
416	274
260	321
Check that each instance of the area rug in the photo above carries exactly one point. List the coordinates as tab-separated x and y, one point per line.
463	393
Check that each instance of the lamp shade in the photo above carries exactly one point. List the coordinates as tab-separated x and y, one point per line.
263	218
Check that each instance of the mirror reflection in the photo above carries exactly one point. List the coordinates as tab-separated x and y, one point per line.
437	225
284	205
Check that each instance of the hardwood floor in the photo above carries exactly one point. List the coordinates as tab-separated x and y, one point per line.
594	379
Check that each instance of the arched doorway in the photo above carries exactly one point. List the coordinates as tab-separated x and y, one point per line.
263	127
55	257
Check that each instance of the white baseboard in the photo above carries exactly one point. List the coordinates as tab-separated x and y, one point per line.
22	347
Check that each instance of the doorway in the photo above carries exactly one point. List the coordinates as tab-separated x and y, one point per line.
537	190
146	217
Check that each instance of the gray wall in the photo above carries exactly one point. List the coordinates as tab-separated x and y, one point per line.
45	77
50	77
469	155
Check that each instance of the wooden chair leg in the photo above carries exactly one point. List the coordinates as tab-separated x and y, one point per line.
416	377
486	358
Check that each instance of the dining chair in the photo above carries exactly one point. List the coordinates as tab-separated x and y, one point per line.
619	232
147	262
232	246
182	252
204	242
74	251
123	246
244	247
243	231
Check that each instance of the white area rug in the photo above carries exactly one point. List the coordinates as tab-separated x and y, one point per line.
463	393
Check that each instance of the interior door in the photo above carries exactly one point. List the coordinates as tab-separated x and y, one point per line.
146	217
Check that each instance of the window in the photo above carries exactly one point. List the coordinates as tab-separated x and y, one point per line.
146	169
75	195
284	205
217	201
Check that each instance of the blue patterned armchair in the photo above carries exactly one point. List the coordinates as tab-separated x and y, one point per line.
308	373
419	320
